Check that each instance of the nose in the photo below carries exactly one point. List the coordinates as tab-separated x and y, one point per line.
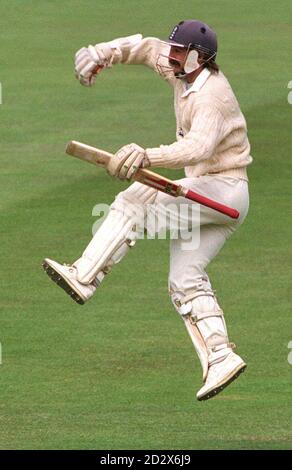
175	64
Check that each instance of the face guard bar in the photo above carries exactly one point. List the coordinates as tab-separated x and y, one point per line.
191	46
164	65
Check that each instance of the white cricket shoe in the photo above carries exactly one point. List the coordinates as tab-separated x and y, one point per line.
66	278
220	375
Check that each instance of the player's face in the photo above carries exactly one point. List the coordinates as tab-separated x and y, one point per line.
177	58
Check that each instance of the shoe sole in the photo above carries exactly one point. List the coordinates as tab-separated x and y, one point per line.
212	393
62	282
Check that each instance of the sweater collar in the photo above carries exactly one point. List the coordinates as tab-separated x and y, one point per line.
198	83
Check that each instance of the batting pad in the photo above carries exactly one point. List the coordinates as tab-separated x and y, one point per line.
116	231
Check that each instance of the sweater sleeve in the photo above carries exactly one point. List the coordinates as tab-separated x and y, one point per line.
206	132
148	51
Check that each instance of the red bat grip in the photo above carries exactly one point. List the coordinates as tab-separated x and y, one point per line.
193	196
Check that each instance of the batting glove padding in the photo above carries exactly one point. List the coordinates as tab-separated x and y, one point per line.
91	60
127	161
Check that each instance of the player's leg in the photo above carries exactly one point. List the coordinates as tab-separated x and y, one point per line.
117	234
111	242
195	300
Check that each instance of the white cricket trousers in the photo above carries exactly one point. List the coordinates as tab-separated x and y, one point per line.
140	207
188	265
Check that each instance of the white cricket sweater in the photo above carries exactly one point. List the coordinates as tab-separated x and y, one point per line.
211	129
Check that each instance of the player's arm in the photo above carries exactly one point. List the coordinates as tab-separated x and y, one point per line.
207	131
135	50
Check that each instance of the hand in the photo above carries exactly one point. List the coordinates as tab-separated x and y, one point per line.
89	61
127	161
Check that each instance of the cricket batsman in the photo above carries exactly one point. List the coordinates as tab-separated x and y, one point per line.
213	149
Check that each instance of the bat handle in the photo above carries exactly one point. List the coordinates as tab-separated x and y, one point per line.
205	201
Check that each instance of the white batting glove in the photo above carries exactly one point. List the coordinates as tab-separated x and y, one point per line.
127	161
89	61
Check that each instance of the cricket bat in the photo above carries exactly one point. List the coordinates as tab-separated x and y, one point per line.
99	157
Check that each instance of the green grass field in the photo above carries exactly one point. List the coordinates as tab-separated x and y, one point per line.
121	372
